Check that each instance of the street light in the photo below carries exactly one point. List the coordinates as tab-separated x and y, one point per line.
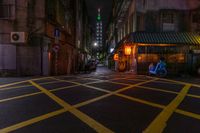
95	44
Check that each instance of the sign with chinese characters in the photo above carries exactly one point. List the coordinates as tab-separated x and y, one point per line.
116	57
127	50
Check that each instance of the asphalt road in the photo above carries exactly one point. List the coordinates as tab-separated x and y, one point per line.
100	102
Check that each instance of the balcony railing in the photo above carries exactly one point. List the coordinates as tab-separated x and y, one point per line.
7	11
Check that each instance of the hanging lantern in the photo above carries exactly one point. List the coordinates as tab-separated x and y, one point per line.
127	50
116	57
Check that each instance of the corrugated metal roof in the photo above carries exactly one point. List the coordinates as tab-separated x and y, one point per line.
164	38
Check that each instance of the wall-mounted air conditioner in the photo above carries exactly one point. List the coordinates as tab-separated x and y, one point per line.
17	37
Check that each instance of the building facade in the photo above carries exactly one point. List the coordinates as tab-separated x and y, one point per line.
42	37
156	28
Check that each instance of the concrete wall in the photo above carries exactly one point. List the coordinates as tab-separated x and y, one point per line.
23	58
144	5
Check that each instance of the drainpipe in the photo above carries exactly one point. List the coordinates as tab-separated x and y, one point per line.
41	56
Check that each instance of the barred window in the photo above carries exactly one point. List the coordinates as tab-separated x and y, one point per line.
167	17
196	18
5	11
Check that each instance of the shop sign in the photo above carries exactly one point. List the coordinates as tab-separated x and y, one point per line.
116	57
127	50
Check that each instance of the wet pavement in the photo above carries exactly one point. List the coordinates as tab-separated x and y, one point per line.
103	101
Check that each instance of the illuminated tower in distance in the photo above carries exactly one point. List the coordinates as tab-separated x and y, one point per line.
99	38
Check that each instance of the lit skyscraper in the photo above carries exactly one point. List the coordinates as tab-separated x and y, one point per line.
99	38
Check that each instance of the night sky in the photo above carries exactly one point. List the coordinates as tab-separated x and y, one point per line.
106	9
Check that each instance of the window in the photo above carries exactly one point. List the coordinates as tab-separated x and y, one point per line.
131	23
51	10
5	11
144	3
167	17
196	18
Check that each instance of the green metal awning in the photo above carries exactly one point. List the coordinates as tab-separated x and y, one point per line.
164	38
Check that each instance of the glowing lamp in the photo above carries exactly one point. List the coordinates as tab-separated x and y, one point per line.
139	58
127	50
116	57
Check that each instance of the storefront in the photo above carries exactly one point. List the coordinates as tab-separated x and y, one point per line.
138	50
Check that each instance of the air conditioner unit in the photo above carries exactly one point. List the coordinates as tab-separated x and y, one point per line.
17	37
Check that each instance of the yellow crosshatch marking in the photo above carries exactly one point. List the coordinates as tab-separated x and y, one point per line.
179	82
159	123
29	122
109	93
18	87
18	82
85	118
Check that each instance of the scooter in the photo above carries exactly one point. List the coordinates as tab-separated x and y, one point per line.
160	70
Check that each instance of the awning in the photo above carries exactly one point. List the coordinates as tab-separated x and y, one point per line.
181	38
164	38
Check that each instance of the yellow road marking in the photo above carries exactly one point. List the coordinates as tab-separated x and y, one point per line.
32	94
18	82
189	114
18	87
141	101
36	93
46	116
193	96
159	123
103	90
18	97
180	82
14	87
132	79
124	96
39	118
172	92
31	121
118	83
157	89
63	88
92	100
10	84
85	118
86	85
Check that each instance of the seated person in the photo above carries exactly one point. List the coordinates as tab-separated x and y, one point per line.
151	67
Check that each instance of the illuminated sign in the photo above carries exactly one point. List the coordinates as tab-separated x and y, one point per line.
127	50
116	57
